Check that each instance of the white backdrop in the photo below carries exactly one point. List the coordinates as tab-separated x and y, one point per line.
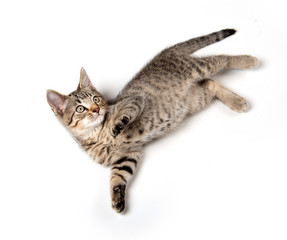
222	175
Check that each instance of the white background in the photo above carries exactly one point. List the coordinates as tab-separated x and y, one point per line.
222	175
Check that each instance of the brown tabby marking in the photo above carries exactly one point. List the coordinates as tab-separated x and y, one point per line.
172	86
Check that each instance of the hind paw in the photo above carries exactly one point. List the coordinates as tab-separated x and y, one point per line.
244	62
239	104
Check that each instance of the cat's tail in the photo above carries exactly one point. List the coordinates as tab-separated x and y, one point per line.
194	44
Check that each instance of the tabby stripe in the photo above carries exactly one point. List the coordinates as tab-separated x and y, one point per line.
125	159
121	176
121	160
204	64
77	96
165	111
158	117
155	86
101	151
71	119
172	64
90	144
108	150
132	108
151	124
124	168
195	67
85	94
198	67
76	124
201	62
104	150
138	106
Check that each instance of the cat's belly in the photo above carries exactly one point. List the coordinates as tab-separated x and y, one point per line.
163	113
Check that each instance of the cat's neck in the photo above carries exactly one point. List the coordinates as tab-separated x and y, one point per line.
89	136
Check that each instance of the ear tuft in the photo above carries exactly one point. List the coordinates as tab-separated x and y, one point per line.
57	101
85	81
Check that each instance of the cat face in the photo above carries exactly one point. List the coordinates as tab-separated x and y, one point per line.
81	110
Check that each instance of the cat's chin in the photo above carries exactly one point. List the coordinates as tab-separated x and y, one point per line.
98	120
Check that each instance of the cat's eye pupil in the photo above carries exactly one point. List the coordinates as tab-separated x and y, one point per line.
96	99
80	109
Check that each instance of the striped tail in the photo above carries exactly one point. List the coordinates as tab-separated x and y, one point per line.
194	44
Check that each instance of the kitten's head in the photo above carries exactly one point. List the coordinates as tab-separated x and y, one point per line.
82	110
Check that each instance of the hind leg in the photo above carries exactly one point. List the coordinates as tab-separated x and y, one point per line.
229	98
208	66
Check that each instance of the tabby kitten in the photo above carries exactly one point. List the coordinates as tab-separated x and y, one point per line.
172	86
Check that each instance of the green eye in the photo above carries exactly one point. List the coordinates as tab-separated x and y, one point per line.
80	109
96	99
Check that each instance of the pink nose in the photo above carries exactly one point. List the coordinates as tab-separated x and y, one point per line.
96	110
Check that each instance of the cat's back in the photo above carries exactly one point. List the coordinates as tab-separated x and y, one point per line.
166	71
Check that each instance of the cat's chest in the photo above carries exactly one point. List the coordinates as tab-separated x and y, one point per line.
135	134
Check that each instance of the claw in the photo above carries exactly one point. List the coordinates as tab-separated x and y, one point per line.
125	120
120	126
118	198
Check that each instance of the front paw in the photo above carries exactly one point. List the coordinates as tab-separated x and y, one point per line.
118	198
119	126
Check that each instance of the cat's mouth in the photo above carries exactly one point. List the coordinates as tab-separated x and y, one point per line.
98	114
98	117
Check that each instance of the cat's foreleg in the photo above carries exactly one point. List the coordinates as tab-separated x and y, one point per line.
123	170
125	112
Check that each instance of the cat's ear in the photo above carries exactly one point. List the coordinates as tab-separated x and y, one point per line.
85	81
57	101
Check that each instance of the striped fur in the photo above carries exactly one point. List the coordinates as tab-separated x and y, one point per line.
172	86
